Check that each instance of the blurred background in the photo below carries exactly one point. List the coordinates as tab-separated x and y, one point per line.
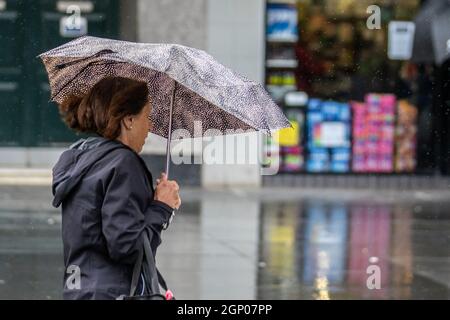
363	176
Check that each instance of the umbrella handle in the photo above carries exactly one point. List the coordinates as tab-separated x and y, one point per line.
169	136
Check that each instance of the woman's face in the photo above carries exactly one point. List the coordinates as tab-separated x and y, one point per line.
141	125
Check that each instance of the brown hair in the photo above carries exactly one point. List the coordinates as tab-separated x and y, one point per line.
102	109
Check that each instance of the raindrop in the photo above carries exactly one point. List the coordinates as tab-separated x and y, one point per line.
262	264
51	221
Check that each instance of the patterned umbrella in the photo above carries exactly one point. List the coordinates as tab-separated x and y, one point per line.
185	85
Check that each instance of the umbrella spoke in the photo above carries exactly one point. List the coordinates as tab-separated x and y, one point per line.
90	64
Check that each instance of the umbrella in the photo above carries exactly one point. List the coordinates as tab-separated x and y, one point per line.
185	85
432	35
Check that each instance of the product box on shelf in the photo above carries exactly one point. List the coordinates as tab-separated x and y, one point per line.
373	133
290	140
406	137
328	136
282	22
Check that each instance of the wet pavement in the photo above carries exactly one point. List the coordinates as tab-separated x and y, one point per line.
267	244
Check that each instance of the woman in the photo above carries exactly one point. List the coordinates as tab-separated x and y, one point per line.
106	191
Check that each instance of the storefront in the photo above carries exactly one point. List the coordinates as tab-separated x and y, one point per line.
28	28
342	72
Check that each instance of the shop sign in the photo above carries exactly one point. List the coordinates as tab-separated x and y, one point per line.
400	40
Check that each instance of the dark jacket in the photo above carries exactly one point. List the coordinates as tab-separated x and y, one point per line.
106	194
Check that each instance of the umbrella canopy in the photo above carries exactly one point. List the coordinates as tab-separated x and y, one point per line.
432	35
206	90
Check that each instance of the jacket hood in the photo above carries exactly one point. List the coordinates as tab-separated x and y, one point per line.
75	162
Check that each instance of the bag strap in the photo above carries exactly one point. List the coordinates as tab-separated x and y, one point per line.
161	280
136	272
151	264
146	251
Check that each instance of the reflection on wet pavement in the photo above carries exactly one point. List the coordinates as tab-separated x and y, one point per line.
330	250
259	248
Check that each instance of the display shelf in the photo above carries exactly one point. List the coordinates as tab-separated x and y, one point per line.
277	39
282	63
293	2
281	87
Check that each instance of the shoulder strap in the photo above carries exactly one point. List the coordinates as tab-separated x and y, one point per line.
136	272
151	264
146	256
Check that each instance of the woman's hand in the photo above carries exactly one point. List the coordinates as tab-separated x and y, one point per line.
167	191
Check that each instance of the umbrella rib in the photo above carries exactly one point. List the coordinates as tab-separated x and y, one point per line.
82	70
70	63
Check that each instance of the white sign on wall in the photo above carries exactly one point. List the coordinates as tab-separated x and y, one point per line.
400	40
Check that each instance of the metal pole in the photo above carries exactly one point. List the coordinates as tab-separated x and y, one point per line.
169	137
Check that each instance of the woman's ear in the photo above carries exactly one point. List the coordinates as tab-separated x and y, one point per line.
128	122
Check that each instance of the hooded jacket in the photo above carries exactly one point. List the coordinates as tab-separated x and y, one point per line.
106	194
